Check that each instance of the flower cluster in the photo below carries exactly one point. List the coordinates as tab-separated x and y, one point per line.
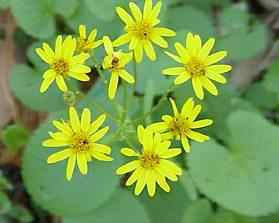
79	136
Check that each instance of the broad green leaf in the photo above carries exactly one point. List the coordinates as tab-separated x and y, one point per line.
247	169
14	137
223	216
34	58
167	207
5	204
25	84
35	17
149	70
20	213
84	16
122	206
271	78
48	186
5	4
66	8
198	212
208	4
189	19
274	218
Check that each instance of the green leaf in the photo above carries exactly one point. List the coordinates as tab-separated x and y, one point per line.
4	183
47	183
148	99
35	17
271	79
167	207
5	204
208	4
247	169
224	216
5	4
66	8
122	206
34	58
84	16
21	214
149	70
14	137
199	212
196	21
25	84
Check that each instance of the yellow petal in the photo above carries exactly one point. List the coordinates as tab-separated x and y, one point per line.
82	31
185	144
58	47
54	143
138	51
155	13
69	47
187	107
149	50
82	163
171	167
190	41
113	85
174	71
164	31
81	58
49	52
135	11
170	153
182	52
174	57
124	16
158	127
209	86
197	86
79	76
108	45
174	108
61	83
134	177
218	69
80	69
97	123
163	183
46	83
59	156
92	35
44	56
123	39
70	166
159	40
140	133
129	152
126	76
85	119
128	167
147	10
217	77
74	119
216	57
151	182
165	172
199	137
182	78
141	182
99	134
100	156
102	148
201	123
207	47
195	112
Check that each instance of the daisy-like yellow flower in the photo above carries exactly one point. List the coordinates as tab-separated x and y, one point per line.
180	126
198	65
142	31
84	43
63	63
79	138
116	62
152	165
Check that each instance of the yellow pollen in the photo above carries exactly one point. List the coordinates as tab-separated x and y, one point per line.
195	67
142	30
80	143
60	67
149	160
115	62
179	126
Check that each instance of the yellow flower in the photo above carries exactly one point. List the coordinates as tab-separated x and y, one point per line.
84	43
141	30
198	65
63	63
79	137
116	62
181	125
152	165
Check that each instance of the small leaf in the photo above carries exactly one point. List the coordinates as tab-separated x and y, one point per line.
5	204
20	213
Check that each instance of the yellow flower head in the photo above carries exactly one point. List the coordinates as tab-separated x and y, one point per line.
152	165
63	63
84	43
79	137
198	65
180	126
141	30
116	62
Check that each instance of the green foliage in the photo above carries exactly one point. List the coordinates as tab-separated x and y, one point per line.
24	81
21	214
271	79
66	8
5	204
4	4
14	137
246	168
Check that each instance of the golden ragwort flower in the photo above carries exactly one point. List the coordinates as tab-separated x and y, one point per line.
84	43
180	126
116	62
198	65
152	165
63	63
79	137
141	30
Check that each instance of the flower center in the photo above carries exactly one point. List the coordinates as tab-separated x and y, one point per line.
82	45
80	143
114	62
179	126
149	160
142	30
60	67
195	67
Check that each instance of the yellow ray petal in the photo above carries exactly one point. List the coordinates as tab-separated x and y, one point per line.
85	119
123	39
159	40
100	156
171	167
46	83
70	166
54	143
129	152
134	177
92	35
218	69
185	144
113	85
199	137
147	10
141	182
187	107
201	123
102	148
69	47
162	182
217	77
59	156
182	78
108	45
128	167
138	52
173	71
44	56
61	83
74	119
216	57
170	153
174	57
127	76
135	11
80	69
97	123
197	86
158	127
82	31
174	108
164	32
149	50
82	163
209	86
99	134
140	133
79	76
207	47
58	47
195	112
151	182
124	16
